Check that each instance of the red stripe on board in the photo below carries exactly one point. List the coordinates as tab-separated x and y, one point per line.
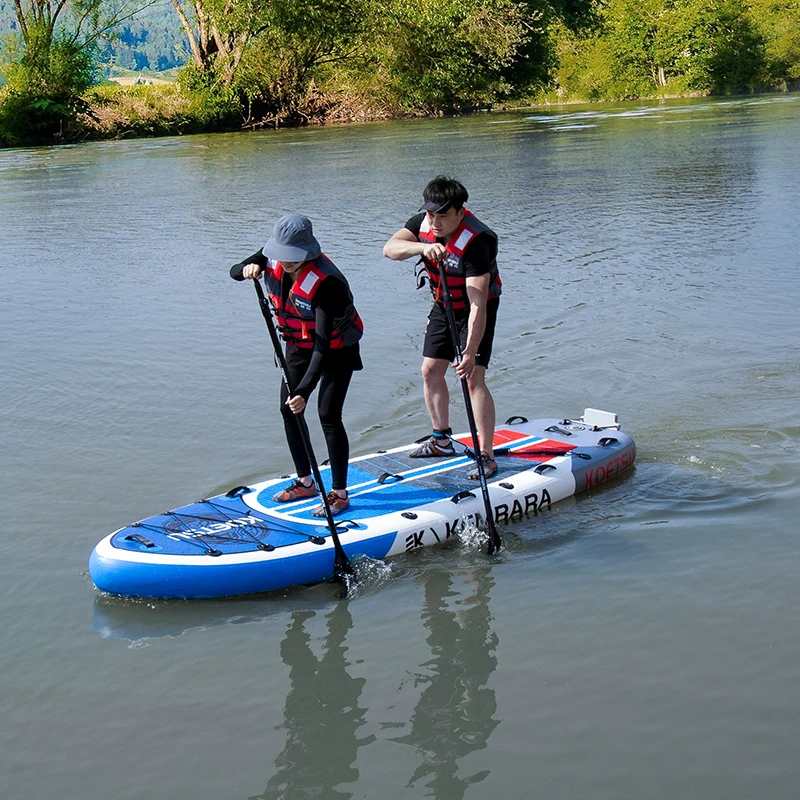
501	436
540	451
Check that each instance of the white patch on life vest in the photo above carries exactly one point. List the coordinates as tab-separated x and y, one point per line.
425	226
309	282
463	239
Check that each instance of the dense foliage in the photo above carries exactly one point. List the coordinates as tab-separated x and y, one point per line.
645	47
277	62
49	64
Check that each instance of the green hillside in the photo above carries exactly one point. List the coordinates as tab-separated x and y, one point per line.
153	40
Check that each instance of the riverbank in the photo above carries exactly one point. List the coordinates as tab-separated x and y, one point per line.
117	112
130	110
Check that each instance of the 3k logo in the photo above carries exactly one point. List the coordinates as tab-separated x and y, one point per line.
414	540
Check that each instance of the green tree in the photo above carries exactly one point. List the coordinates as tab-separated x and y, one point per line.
269	56
45	80
648	47
437	54
50	63
733	58
778	24
307	44
584	68
219	33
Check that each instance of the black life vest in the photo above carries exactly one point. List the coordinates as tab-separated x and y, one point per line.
296	316
454	270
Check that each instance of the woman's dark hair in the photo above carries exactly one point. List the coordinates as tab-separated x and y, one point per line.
443	190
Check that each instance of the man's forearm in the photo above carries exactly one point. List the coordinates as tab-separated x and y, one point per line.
401	249
476	325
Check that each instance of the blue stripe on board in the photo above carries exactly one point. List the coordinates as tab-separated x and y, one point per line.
423	482
368	498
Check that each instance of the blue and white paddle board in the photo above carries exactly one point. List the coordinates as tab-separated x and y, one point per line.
243	542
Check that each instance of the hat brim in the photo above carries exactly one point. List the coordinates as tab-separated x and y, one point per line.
436	208
286	252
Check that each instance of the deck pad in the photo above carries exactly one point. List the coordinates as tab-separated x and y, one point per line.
407	482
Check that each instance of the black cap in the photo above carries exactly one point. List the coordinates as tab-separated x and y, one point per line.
436	208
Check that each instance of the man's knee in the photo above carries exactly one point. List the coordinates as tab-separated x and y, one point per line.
433	370
477	380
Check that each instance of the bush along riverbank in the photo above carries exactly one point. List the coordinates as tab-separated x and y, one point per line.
304	62
127	112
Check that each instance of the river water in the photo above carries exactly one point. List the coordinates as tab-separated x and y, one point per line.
637	642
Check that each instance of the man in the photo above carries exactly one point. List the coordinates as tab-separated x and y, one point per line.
313	308
446	231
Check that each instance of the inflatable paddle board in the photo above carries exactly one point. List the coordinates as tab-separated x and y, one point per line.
243	542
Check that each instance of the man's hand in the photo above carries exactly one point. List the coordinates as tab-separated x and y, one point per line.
467	365
434	251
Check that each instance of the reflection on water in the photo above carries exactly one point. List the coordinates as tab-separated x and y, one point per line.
141	620
455	714
453	717
321	716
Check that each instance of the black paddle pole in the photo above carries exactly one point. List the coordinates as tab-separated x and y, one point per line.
495	543
341	564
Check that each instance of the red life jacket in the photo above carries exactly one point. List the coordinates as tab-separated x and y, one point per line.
296	316
454	270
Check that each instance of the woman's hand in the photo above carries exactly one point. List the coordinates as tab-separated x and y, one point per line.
297	404
251	271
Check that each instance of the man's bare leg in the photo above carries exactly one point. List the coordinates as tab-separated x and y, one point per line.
483	409
437	395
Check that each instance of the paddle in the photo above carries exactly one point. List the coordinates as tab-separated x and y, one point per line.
495	542
341	565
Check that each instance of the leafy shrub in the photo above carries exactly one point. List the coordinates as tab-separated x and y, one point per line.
45	83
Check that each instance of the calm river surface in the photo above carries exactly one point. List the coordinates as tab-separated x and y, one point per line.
638	642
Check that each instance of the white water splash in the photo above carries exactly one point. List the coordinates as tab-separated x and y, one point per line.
471	537
369	575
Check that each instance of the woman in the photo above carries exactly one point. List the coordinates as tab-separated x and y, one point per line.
313	308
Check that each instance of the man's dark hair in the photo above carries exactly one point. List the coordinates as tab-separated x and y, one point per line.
445	192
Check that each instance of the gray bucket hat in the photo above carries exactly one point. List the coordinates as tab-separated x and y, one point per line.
292	240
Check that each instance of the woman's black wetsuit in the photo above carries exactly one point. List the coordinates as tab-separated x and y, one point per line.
331	368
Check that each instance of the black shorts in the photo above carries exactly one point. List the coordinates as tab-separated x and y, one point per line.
439	343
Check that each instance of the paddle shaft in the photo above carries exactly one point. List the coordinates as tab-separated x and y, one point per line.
494	537
342	565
